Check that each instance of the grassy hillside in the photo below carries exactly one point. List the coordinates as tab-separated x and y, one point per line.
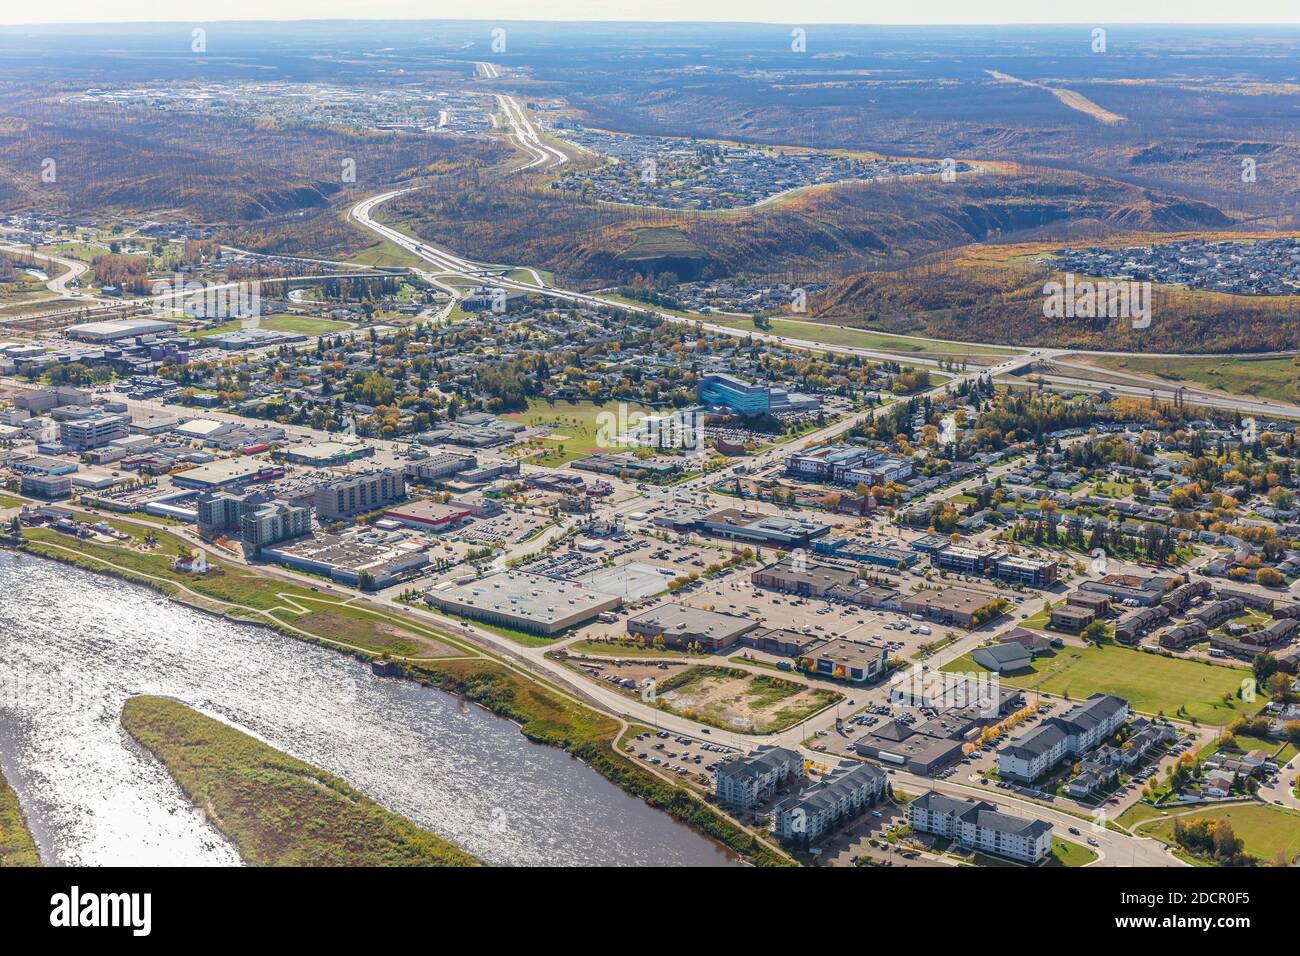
16	845
1276	378
278	811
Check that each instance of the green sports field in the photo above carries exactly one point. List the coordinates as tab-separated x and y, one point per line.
1151	683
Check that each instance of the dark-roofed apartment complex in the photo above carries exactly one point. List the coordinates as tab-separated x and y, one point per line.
979	825
1076	731
839	796
750	780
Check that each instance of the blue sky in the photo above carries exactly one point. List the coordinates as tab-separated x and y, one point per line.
773	11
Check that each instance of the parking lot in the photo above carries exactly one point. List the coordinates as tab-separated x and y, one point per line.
694	761
508	528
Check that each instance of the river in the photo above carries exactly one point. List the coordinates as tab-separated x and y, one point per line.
75	645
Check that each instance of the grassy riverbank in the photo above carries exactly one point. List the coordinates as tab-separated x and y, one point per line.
16	845
277	810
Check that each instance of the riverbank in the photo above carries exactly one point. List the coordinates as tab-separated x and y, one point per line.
17	848
544	713
277	810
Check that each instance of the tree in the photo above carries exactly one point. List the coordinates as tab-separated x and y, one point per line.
1097	632
1268	577
1263	666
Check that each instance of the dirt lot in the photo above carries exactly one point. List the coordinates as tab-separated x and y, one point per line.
722	697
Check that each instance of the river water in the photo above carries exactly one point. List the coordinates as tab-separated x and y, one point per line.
75	645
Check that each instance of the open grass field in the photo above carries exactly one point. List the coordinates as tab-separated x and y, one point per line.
575	427
303	324
824	334
277	810
1276	378
16	845
1267	831
1151	683
1065	853
733	699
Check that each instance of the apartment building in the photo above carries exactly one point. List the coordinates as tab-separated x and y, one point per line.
839	796
747	782
272	522
359	493
1077	731
978	825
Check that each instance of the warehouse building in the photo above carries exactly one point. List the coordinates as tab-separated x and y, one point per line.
681	625
119	329
959	606
523	602
363	558
429	515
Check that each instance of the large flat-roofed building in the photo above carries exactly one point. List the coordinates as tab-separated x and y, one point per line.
440	467
960	606
1032	572
763	530
860	549
750	398
93	431
794	574
119	329
203	429
523	602
47	487
964	560
358	559
898	745
681	625
803	577
749	780
429	515
359	493
843	659
1130	587
226	472
979	825
321	454
44	464
747	398
39	400
831	462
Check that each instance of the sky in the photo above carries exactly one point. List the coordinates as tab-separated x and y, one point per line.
794	12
